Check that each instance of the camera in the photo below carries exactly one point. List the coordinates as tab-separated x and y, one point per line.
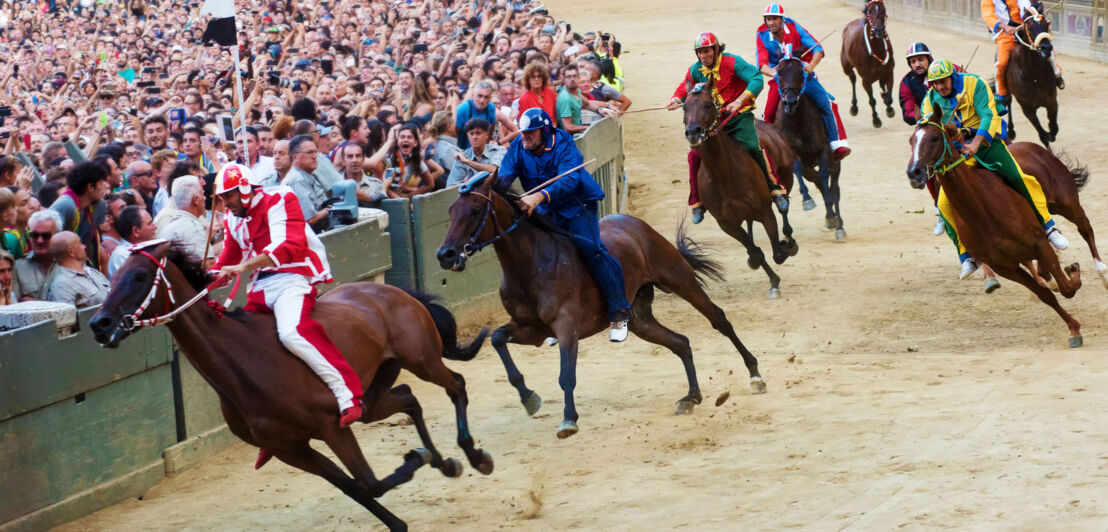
275	79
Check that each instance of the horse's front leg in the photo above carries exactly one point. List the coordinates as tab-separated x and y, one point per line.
567	376
1032	116
798	171
887	93
872	102
1052	119
520	334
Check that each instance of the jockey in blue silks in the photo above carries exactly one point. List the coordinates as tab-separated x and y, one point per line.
540	153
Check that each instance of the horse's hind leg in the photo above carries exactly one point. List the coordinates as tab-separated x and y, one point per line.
798	171
755	257
849	71
887	93
513	332
434	371
565	328
1046	296
1052	118
1032	116
872	102
683	282
833	181
646	326
1078	217
781	250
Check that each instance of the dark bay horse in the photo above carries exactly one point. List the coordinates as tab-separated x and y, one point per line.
548	292
994	222
801	124
1030	77
868	50
272	400
732	186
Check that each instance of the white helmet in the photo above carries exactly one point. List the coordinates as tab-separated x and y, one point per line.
234	176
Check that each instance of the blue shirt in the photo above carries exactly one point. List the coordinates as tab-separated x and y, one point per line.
467	111
566	195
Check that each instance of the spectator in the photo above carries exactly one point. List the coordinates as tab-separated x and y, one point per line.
370	190
114	174
480	156
185	226
481	106
536	77
571	100
442	143
140	176
590	77
7	266
9	238
309	190
162	162
74	282
400	161
198	149
265	140
16	241
33	272
281	160
109	238
81	205
261	166
136	226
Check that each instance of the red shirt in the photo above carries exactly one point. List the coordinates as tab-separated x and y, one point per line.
547	101
274	225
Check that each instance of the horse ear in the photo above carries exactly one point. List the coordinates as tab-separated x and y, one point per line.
688	86
710	84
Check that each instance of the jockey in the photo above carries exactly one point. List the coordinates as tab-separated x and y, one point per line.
772	38
913	87
737	84
974	112
1003	19
266	234
540	153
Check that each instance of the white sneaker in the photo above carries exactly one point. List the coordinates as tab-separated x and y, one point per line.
940	227
618	331
1057	239
968	267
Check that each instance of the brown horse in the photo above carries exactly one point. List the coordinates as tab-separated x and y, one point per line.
272	400
1030	78
867	49
994	222
732	186
800	123
548	292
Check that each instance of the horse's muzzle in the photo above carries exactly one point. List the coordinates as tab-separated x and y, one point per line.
789	104
695	135
917	176
106	331
879	32
451	259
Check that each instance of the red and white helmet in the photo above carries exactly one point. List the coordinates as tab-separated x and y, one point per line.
233	176
774	10
706	39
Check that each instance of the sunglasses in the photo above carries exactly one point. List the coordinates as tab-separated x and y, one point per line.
36	236
143	174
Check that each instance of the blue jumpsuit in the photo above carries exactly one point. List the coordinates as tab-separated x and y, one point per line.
571	203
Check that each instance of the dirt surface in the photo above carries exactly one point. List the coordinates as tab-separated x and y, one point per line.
898	396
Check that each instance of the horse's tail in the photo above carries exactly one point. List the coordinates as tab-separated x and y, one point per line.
1078	171
448	329
698	257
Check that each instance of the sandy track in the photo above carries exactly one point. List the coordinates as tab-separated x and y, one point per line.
898	397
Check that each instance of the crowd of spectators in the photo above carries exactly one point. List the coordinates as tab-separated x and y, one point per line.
114	116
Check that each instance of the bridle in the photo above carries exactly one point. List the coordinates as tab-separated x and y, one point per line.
1029	43
717	124
869	33
937	168
474	246
134	321
803	78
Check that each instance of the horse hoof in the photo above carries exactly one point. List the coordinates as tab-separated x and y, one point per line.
753	264
566	429
829	223
532	404
1102	271
809	204
452	468
890	113
853	110
423	454
774	293
840	234
991	285
1076	341
794	248
876	122
485	466
684	406
757	385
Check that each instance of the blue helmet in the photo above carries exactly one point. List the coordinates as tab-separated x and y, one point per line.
535	118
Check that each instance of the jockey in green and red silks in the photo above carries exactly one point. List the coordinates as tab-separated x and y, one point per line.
736	84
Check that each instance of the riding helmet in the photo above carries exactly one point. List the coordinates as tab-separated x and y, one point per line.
918	49
233	176
534	118
705	40
940	69
774	10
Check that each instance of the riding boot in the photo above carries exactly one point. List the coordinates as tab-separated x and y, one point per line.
697	214
350	415
1004	103
1058	81
263	457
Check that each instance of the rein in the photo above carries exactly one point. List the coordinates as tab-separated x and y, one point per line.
473	246
938	168
134	320
885	41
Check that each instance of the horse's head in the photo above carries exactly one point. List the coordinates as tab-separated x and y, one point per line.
132	288
790	83
930	144
701	112
473	221
1036	30
876	17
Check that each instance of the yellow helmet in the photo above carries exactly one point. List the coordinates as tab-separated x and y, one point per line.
940	69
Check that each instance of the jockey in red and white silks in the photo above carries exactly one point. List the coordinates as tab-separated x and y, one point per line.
266	233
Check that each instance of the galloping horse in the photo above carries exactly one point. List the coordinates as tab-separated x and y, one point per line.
1030	77
801	124
867	49
271	399
547	290
732	186
994	222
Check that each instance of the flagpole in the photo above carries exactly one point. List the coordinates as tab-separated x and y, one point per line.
242	105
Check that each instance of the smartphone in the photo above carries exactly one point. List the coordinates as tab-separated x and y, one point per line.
144	84
153	90
177	116
5	111
226	124
294	50
328	65
163	75
5	135
420	48
27	141
148	70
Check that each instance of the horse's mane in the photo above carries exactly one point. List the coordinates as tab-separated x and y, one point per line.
540	220
189	265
